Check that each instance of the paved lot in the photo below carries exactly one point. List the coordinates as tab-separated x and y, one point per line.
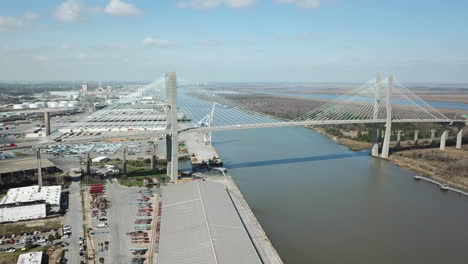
121	219
73	218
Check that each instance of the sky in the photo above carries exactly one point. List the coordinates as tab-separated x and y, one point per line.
234	40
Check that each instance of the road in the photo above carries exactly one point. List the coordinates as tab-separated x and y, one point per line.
73	218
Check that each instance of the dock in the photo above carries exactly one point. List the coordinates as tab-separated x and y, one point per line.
262	243
199	151
441	185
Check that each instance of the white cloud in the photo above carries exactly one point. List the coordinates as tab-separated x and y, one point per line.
81	56
301	3
248	41
67	46
40	58
304	35
10	24
69	11
211	42
119	8
204	4
160	43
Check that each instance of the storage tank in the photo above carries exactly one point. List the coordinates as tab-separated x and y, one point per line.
19	106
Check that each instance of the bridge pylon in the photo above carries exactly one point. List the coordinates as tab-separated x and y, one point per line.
388	123
172	141
375	134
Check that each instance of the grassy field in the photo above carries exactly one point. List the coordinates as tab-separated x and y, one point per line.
135	176
29	226
12	258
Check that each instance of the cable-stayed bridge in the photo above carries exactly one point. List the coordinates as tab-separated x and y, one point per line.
168	107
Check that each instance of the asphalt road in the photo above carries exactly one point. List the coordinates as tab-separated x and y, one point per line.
73	218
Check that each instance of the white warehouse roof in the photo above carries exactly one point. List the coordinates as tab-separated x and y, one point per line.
30	258
50	194
18	213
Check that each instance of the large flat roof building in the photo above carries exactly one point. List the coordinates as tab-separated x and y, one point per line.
199	224
31	258
20	213
49	194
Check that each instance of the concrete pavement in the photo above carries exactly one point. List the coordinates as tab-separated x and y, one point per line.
74	219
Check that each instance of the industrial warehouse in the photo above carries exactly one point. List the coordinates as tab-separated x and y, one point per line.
32	202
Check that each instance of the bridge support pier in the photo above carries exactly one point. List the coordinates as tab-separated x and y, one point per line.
415	140
432	136
153	157
398	140
388	123
88	164
459	137
443	139
375	141
124	165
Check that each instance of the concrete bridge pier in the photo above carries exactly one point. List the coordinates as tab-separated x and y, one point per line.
416	135
124	165
459	137
432	136
375	141
443	139
153	157
398	139
88	164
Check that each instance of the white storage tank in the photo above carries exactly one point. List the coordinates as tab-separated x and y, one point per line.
19	106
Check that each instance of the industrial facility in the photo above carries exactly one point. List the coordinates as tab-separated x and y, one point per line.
31	202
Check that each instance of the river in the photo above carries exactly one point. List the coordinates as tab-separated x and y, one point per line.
322	203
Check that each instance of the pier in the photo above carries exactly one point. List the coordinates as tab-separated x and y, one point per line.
441	185
262	243
199	151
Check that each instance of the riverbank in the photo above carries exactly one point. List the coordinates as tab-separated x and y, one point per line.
449	166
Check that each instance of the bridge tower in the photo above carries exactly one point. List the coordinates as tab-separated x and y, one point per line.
388	123
172	143
375	136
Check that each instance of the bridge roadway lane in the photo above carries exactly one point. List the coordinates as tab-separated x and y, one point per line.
74	218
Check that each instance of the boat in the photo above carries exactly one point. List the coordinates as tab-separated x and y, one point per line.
444	187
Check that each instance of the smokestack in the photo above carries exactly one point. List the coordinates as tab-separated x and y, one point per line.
47	123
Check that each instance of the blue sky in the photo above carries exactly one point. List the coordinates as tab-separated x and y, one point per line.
234	40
